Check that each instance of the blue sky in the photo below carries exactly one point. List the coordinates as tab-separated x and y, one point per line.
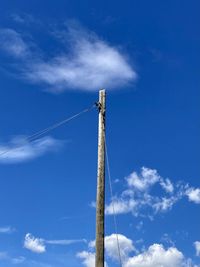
54	58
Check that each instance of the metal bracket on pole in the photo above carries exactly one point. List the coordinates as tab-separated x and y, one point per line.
98	105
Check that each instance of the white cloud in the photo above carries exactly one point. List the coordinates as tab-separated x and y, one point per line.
38	245
111	246
164	203
125	244
193	195
111	249
93	204
88	258
24	18
167	185
89	63
18	260
19	149
154	256
157	256
6	230
12	43
34	244
65	241
3	255
197	247
146	179
136	198
121	206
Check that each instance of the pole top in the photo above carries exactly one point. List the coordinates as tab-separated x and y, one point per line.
102	91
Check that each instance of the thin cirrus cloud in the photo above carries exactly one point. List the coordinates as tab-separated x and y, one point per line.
7	230
20	150
38	245
86	63
12	43
3	255
64	241
155	255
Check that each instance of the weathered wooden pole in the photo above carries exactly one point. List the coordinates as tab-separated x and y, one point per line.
100	201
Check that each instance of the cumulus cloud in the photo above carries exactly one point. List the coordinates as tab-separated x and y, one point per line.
88	258
137	197
143	181
87	62
19	149
156	255
193	195
34	244
197	247
121	206
111	249
125	244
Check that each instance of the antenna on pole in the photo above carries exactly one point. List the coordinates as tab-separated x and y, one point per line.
100	201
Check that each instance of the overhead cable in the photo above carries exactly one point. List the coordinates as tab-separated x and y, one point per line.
36	135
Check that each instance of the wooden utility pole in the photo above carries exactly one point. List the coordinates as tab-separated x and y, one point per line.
100	201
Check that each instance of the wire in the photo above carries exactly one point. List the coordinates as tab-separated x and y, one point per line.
56	125
112	203
35	136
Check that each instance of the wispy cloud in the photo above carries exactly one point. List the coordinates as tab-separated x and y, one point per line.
7	230
90	63
38	245
19	149
18	260
65	241
24	18
12	43
3	255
